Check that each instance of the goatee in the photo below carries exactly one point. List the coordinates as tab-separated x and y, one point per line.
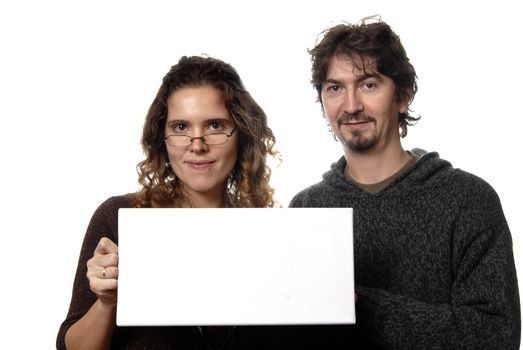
358	142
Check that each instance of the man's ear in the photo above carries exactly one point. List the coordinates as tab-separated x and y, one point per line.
404	103
321	106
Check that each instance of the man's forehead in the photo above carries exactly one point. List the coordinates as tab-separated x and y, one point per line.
359	65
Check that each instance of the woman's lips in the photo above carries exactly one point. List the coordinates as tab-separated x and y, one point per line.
199	165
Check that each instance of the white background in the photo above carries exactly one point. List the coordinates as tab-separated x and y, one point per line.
77	78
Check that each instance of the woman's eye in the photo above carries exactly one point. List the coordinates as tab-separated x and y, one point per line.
180	127
214	126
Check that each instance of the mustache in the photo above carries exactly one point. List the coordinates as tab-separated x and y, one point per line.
354	117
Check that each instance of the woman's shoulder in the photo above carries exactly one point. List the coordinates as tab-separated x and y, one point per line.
117	202
109	208
104	221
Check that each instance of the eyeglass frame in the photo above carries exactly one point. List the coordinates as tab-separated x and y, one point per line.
191	138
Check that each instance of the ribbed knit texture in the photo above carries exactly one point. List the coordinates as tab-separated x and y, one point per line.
433	259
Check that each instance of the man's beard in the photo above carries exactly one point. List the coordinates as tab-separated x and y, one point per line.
358	142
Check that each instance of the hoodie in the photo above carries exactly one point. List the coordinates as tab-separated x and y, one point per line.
433	259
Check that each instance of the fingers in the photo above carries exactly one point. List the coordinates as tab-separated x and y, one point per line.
109	272
101	278
102	271
106	246
101	261
105	256
101	286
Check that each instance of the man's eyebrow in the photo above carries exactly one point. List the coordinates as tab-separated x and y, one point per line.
370	75
359	78
331	81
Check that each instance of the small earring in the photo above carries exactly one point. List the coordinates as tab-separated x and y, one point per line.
171	176
230	182
172	180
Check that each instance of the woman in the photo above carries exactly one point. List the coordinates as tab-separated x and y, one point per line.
206	141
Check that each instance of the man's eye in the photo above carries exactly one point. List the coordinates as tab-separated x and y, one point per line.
333	88
369	85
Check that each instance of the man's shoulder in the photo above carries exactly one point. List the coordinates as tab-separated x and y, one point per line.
465	189
310	196
431	169
472	185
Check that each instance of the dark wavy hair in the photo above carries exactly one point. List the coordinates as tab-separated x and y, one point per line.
248	184
374	39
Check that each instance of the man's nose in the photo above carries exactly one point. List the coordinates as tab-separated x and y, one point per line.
352	101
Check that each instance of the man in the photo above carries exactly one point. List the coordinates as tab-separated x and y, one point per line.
434	266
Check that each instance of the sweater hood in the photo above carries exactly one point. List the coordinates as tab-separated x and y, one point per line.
429	169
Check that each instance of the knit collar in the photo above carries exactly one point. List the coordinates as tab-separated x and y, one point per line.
422	172
379	186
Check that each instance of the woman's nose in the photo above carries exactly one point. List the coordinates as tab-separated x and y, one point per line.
198	145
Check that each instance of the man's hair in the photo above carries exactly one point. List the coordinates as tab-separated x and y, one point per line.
363	41
248	184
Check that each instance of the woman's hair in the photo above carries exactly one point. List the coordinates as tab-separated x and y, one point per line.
248	183
362	41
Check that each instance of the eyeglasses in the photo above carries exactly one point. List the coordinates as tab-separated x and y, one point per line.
217	138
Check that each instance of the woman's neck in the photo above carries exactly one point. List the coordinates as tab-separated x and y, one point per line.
195	199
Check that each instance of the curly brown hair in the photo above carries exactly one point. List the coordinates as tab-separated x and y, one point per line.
248	184
370	38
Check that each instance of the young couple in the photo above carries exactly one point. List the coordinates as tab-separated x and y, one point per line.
433	257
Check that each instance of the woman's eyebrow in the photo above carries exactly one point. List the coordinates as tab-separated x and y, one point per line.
173	122
218	119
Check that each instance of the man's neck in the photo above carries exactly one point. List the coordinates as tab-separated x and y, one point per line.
374	166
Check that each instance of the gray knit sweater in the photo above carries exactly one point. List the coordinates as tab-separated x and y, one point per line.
433	259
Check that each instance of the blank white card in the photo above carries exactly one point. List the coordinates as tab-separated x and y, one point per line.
235	266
